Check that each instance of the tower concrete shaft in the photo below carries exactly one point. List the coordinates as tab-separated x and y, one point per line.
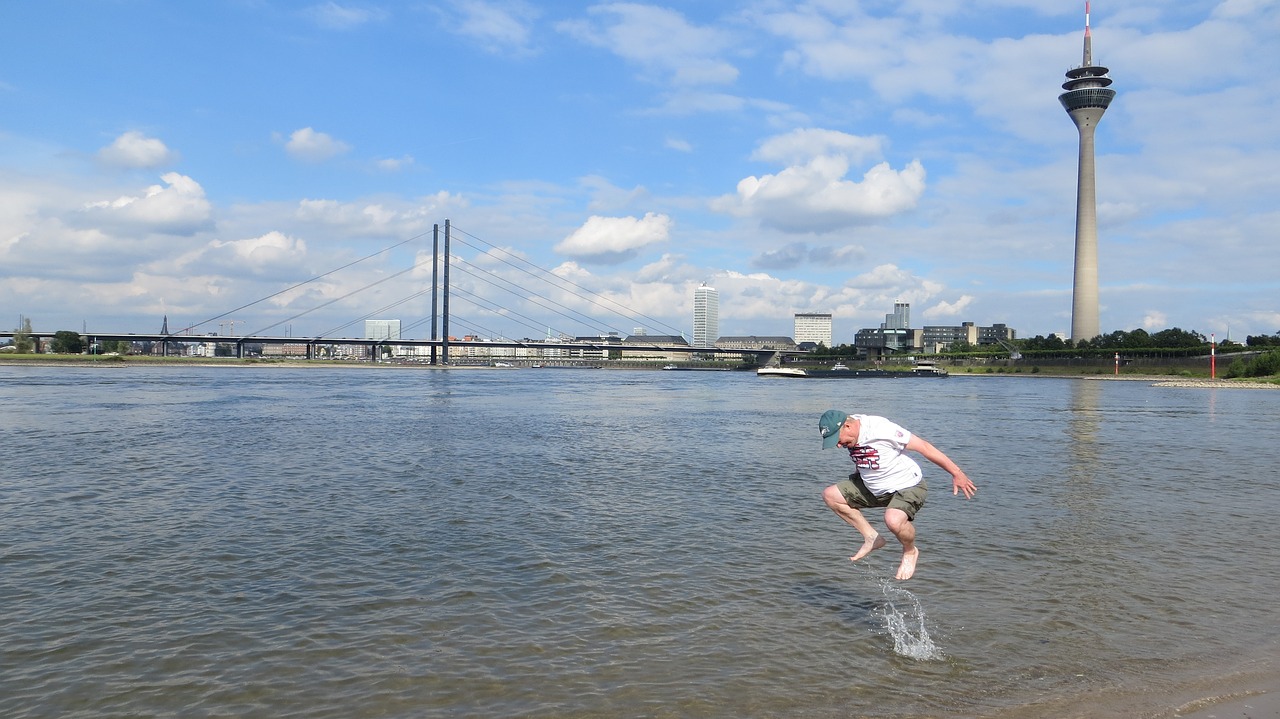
1087	96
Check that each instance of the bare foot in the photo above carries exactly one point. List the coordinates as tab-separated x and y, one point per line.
868	546
908	566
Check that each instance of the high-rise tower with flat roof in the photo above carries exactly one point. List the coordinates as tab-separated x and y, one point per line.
1087	96
706	316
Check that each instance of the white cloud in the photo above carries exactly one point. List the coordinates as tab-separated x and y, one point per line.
812	194
503	28
1155	320
611	240
257	255
342	17
394	164
373	218
661	41
796	254
798	146
178	208
881	277
949	309
135	150
311	146
677	144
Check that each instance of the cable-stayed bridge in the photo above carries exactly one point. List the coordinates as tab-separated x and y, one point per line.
320	347
533	290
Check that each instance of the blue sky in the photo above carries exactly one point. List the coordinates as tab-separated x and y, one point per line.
187	159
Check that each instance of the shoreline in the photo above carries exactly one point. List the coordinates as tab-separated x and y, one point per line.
1165	381
1247	704
1154	380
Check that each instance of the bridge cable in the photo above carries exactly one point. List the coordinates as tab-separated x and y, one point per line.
300	284
628	312
540	299
336	299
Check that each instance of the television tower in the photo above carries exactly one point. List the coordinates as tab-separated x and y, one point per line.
1086	98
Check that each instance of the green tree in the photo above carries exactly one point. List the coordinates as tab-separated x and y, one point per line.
1138	339
1040	342
1112	341
1264	365
1177	337
67	342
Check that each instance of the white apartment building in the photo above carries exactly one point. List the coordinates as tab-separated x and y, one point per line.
813	327
706	316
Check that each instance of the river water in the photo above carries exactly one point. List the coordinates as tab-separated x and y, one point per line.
340	542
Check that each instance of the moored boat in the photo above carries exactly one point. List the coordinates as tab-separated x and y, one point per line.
840	371
781	372
925	368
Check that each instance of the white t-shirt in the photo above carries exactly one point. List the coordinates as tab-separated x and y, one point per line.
881	456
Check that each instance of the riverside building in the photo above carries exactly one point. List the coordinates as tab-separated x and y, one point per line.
706	316
895	336
813	327
382	329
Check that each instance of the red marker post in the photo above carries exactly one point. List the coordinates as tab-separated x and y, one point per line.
1213	357
1117	364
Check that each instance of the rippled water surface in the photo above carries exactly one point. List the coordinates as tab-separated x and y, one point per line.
307	542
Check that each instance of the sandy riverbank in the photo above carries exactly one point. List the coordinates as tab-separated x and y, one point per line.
1259	705
1154	380
1201	383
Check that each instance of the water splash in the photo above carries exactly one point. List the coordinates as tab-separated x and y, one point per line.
905	621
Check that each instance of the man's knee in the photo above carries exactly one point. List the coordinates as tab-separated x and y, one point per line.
896	519
833	497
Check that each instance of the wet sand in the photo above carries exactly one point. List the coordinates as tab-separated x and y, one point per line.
1262	705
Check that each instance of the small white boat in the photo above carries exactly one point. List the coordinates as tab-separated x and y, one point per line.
928	369
781	372
839	366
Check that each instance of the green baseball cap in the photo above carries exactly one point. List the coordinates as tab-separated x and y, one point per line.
830	425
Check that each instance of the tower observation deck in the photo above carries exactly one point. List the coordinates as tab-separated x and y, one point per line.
1087	96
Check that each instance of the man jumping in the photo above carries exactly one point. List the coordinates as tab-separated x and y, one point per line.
886	477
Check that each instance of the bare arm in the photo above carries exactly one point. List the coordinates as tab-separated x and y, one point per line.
959	481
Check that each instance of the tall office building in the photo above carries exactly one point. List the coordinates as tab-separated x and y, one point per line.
813	327
1086	98
382	329
706	316
901	317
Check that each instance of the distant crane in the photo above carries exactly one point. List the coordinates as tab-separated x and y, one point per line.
1014	354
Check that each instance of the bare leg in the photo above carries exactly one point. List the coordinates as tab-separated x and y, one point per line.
904	529
871	539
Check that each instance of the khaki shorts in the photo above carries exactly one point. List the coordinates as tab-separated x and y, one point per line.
909	500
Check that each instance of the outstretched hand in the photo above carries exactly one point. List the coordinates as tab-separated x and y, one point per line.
961	483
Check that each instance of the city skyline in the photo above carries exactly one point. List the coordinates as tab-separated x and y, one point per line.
798	156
